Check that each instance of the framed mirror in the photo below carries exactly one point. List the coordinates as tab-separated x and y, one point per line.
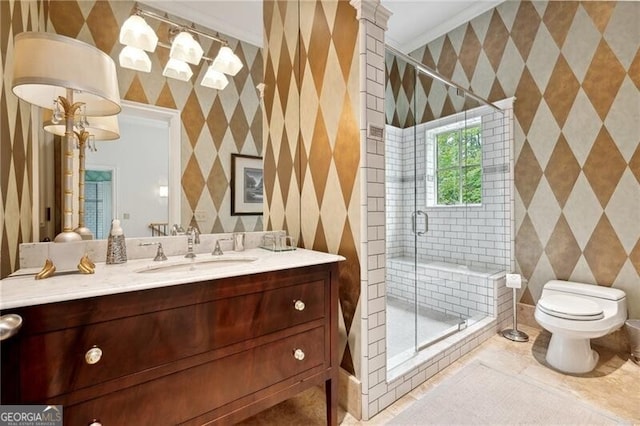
211	126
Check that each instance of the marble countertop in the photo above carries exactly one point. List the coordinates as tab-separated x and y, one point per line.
22	289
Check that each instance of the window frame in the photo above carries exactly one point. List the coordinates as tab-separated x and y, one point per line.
454	123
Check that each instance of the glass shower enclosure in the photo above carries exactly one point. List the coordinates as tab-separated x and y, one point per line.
437	201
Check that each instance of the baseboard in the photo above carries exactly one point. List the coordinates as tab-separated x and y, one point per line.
350	394
618	341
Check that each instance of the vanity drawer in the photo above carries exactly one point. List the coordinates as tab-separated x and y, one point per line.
58	362
204	388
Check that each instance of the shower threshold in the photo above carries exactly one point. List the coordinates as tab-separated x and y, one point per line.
410	360
432	327
443	335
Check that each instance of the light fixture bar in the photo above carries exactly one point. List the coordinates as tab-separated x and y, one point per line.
168	46
182	27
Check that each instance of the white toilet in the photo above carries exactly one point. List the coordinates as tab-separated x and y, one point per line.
574	313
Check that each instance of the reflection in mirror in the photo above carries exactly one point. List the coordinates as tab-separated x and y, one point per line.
212	125
135	178
129	178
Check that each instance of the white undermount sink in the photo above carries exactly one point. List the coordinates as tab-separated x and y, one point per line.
204	263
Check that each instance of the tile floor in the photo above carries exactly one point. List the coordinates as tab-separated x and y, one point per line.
613	386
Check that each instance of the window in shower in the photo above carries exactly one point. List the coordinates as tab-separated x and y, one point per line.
454	163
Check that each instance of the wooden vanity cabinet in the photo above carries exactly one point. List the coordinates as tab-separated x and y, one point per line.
201	353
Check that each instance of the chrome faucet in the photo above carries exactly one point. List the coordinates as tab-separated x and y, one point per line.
193	237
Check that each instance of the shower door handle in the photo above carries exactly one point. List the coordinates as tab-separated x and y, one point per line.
413	222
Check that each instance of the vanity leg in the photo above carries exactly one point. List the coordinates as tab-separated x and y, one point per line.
331	394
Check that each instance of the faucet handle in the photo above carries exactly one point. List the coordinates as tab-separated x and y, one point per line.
160	256
217	251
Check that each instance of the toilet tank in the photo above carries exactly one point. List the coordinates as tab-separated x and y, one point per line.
585	290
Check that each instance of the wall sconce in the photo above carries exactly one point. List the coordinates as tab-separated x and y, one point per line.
50	67
177	69
186	48
135	59
135	32
227	62
138	36
214	79
163	191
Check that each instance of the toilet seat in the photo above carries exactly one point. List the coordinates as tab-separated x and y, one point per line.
570	307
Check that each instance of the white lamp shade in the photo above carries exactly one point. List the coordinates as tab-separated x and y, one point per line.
47	64
214	79
227	62
135	59
135	32
186	48
102	128
177	69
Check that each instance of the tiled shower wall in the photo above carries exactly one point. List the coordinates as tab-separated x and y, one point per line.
574	69
215	124
476	236
456	292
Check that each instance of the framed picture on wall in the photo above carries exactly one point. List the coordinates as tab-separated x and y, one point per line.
246	185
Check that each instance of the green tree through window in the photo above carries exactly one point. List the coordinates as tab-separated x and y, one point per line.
459	166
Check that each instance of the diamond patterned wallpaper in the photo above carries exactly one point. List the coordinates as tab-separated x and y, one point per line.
574	68
16	147
282	117
215	124
313	71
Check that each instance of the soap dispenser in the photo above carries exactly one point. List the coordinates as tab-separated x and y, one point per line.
116	246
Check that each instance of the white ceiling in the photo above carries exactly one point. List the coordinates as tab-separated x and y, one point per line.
413	23
240	19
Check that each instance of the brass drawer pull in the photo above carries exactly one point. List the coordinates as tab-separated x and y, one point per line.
298	305
93	356
298	354
95	422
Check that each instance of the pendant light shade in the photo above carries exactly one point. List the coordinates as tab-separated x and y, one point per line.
177	69
135	32
186	48
135	59
227	62
47	64
214	79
